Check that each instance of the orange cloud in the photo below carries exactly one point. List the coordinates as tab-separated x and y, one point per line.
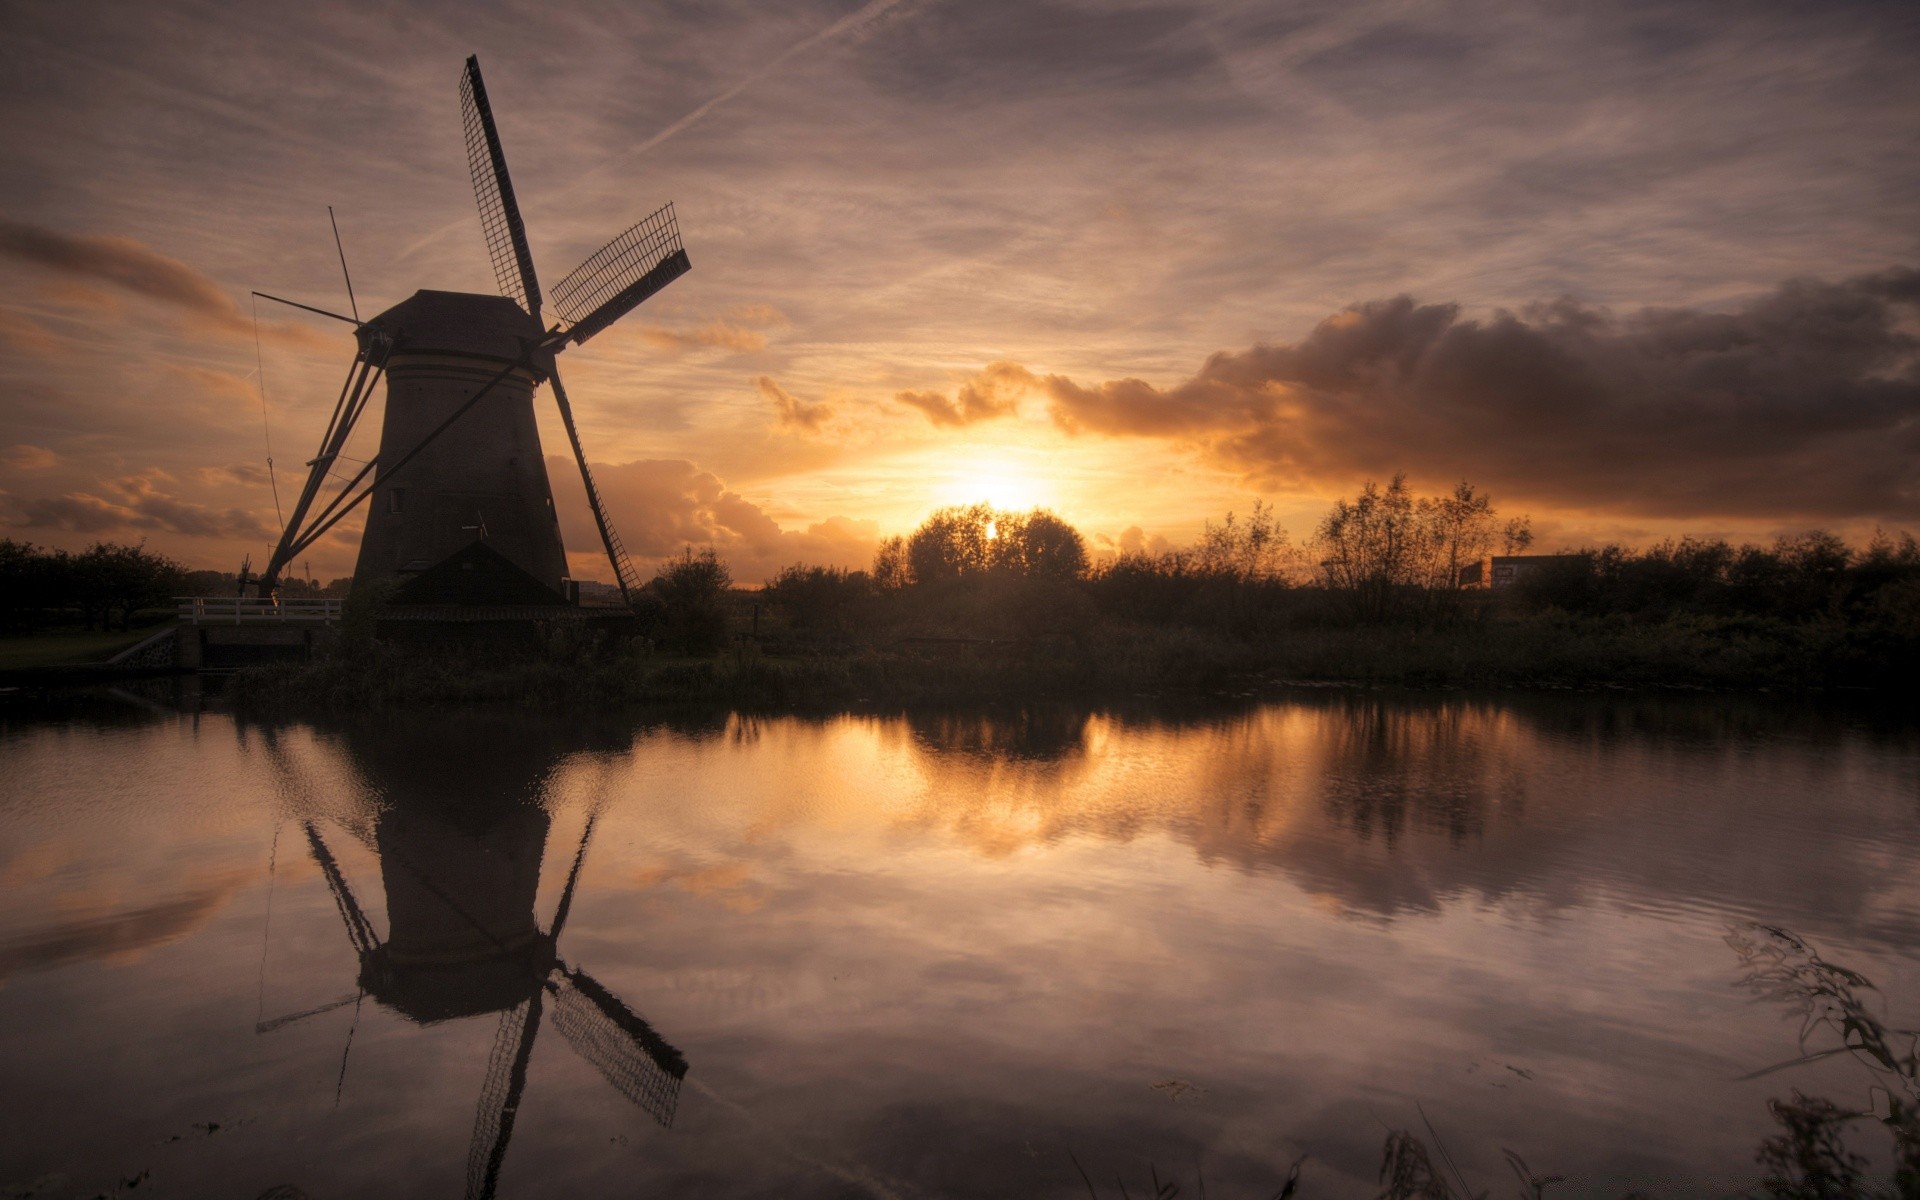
662	506
758	314
714	335
994	392
793	412
22	457
139	503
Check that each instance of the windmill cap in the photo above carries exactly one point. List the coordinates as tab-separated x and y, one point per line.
492	327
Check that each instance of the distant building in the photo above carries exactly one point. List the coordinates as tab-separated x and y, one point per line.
1504	570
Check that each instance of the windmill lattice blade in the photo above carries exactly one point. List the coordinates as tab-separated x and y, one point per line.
623	572
641	1064
621	274
500	1096
493	189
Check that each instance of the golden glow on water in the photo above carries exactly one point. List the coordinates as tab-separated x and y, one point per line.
1296	906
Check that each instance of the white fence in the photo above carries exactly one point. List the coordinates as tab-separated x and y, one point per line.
250	610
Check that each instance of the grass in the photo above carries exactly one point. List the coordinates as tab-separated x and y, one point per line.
1101	662
67	647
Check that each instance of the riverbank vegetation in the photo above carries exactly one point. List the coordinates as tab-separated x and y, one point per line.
980	603
104	587
1375	595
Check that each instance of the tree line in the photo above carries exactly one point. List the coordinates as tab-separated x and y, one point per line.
105	583
1384	557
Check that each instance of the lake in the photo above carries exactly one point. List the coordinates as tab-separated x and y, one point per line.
932	954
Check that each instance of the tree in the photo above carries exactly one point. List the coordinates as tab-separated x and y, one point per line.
1256	548
32	582
1384	545
1375	545
1466	529
951	543
1036	545
127	578
976	539
694	589
891	570
818	599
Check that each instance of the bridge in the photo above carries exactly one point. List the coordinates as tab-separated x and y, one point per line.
255	610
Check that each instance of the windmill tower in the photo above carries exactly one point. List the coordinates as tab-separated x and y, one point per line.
459	480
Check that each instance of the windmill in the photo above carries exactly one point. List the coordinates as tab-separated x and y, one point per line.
462	941
459	463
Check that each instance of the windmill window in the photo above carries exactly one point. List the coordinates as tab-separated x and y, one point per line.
397	500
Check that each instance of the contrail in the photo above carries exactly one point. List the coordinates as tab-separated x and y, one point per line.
851	21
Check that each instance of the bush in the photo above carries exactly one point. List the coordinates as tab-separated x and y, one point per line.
693	589
820	600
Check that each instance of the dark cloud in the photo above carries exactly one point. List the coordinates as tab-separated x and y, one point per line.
793	412
137	503
994	392
122	262
1803	402
134	267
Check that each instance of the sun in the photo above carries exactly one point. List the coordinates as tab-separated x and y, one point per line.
1005	481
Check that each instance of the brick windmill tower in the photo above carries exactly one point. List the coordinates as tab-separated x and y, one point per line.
461	508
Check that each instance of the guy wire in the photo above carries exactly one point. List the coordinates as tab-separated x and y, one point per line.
266	432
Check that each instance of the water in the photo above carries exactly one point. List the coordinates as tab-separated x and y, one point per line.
930	955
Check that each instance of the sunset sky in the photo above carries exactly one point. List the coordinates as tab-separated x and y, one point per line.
1635	269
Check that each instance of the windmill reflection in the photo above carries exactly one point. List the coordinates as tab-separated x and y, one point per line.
460	838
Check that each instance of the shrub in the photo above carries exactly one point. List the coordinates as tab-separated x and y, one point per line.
819	599
693	589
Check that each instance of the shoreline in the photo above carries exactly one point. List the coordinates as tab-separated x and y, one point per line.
1159	665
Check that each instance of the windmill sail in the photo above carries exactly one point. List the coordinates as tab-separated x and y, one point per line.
500	1096
499	212
643	1066
618	276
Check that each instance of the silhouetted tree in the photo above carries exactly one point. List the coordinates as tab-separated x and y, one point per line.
950	543
1036	545
1375	545
1466	529
693	589
32	581
1255	548
954	543
1386	549
127	578
819	599
891	569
